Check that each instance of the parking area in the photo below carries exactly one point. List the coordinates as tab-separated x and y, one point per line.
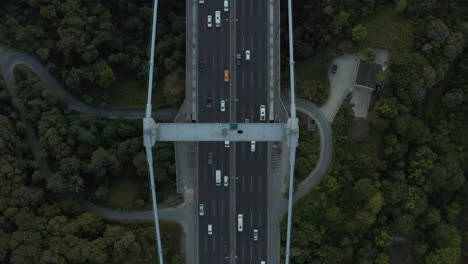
342	83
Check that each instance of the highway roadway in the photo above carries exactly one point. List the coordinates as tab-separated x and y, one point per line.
247	89
252	167
213	49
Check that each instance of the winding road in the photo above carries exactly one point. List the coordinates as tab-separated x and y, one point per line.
10	58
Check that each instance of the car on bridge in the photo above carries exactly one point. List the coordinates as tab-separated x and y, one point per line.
223	106
240	225
209	102
210	158
226	75
262	113
202	209
255	234
252	146
238	59
247	55
226	180
210	229
210	21
218	18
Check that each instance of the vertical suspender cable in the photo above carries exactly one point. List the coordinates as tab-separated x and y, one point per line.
148	146
293	143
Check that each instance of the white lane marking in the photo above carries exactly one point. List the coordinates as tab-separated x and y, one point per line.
243	253
243	7
243	80
251	183
251	46
214	208
222	208
206	246
222	62
251	8
259	218
243	182
260	187
259	44
251	253
260	8
243	44
259	252
213	62
251	219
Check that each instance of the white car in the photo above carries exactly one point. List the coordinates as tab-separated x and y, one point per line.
226	143
226	5
262	113
247	55
218	18
202	1
210	21
252	146
226	180
223	106
202	209
210	229
255	234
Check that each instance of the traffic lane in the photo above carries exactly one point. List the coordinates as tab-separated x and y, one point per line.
216	207
248	203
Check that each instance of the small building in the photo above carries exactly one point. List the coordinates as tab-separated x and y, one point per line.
366	76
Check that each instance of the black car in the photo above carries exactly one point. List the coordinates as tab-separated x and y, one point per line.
210	158
202	64
238	59
209	102
334	68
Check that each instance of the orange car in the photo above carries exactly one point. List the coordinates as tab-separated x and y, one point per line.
226	75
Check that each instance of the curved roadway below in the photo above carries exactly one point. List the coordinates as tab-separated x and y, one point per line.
9	59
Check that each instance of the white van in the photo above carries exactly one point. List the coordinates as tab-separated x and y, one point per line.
218	18
218	177
226	143
210	229
226	5
240	218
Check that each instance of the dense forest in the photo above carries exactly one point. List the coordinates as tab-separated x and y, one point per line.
98	51
400	194
39	225
87	154
91	46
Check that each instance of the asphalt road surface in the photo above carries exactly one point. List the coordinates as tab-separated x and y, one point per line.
252	167
217	47
213	49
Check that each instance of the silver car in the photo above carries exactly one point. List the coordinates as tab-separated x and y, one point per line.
202	209
210	21
262	113
223	106
255	234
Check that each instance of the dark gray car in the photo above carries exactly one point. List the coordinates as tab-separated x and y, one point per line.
210	158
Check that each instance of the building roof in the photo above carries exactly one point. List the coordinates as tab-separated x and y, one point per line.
367	73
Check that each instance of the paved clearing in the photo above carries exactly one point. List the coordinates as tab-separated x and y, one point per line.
342	83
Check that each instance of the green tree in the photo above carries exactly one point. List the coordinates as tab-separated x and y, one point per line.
368	54
105	75
359	33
